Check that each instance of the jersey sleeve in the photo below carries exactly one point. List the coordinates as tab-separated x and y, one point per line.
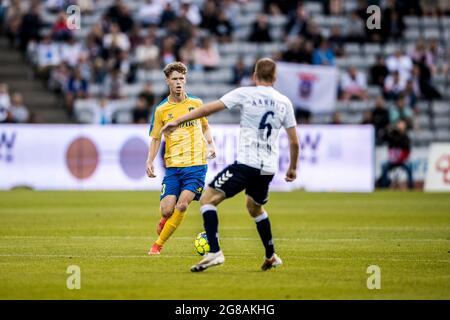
233	98
289	120
156	124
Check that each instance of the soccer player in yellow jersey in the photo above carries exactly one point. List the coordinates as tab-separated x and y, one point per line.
187	149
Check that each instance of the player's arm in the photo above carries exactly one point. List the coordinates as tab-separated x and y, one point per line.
152	152
294	147
211	153
201	112
155	142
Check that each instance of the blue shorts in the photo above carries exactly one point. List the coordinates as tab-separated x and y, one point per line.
187	178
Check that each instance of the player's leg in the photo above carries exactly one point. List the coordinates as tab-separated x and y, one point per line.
209	201
226	184
257	195
169	194
175	219
166	207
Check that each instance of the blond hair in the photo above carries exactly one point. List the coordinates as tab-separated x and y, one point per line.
265	70
175	66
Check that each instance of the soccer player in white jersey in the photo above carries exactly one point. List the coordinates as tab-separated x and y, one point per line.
264	111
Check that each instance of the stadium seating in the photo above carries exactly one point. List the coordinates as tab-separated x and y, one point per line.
431	123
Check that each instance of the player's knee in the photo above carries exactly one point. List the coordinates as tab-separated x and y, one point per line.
166	211
253	209
211	197
182	206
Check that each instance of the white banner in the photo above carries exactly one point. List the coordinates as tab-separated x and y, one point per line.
88	157
438	174
310	87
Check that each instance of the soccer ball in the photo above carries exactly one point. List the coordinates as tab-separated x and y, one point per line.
201	243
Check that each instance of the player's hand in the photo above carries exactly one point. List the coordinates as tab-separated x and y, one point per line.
150	170
169	127
291	175
211	152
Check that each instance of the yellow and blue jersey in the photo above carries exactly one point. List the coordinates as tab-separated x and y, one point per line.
185	147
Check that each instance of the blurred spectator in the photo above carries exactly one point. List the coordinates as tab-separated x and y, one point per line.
411	94
192	11
260	30
85	66
147	54
54	6
354	85
420	51
30	27
59	78
400	62
336	118
207	55
77	88
355	28
150	12
48	56
102	112
148	95
19	112
184	25
423	73
298	23
5	103
333	7
168	14
112	87
393	86
124	19
231	8
70	52
437	52
286	7
399	147
379	71
113	12
209	16
299	51
13	15
116	40
323	55
380	120
337	41
314	34
168	51
240	71
400	111
223	29
187	54
392	24
60	30
86	6
141	112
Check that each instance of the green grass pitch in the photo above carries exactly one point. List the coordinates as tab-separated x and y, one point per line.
326	241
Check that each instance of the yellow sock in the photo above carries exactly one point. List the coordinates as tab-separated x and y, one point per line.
171	225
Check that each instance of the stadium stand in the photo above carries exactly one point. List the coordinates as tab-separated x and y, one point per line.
124	44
